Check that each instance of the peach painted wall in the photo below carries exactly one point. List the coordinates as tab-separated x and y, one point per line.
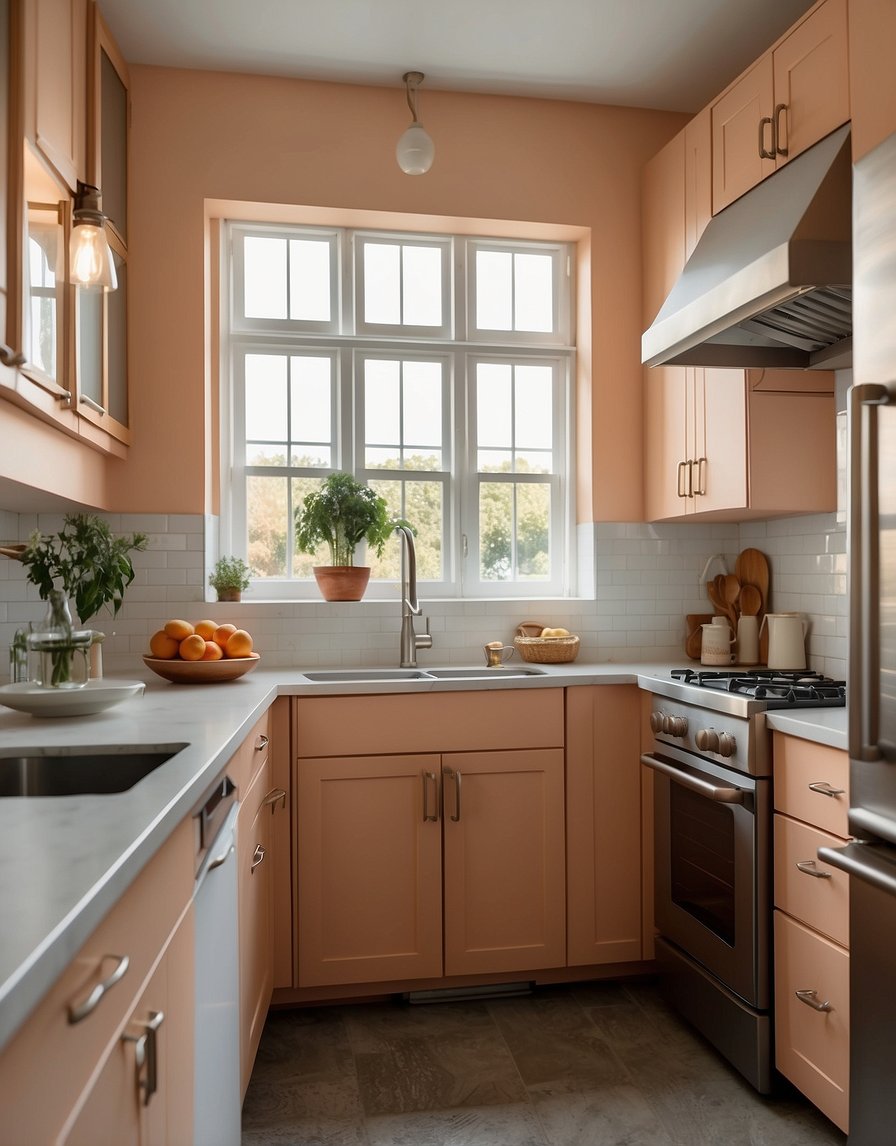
201	136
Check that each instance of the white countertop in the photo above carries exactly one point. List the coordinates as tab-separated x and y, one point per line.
822	725
65	861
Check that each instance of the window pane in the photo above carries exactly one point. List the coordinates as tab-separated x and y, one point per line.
303	563
533	530
267	520
422	404
309	280
265	277
533	292
494	290
514	531
495	461
382	402
496	531
533	408
420	503
422	286
266	398
494	424
382	283
311	400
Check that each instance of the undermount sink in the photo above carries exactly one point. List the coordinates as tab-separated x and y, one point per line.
91	772
482	673
355	676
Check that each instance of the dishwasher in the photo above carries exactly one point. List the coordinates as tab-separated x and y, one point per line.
216	1117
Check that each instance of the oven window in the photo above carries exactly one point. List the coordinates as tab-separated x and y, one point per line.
702	860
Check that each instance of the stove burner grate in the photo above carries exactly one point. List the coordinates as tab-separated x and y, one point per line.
778	687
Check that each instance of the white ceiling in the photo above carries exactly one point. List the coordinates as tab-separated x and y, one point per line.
672	54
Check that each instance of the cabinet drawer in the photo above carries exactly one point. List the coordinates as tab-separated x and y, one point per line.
822	901
811	1046
49	1047
451	722
799	763
251	755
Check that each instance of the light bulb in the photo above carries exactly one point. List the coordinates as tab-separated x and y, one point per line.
415	150
90	259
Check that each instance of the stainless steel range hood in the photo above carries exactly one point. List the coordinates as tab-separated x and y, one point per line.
770	280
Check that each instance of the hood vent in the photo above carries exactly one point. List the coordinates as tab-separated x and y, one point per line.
770	280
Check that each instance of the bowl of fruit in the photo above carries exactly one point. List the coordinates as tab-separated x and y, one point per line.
203	653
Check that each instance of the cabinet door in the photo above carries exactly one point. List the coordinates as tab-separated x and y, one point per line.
721	432
736	161
56	84
665	413
872	77
504	878
663	223
603	824
697	178
811	81
369	869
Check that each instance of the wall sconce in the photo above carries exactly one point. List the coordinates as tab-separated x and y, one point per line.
415	150
90	258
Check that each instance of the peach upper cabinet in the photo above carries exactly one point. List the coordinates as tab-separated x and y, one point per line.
793	96
872	77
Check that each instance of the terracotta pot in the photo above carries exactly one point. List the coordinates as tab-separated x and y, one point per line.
342	582
228	594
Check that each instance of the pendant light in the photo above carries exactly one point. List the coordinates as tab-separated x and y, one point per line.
415	150
90	257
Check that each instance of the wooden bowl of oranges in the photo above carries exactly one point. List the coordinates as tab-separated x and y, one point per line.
200	654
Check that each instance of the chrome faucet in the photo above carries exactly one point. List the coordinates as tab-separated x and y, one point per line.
410	606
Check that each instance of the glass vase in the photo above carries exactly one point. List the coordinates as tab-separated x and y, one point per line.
59	652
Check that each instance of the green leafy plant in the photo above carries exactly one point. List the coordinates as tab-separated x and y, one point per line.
229	573
85	561
343	513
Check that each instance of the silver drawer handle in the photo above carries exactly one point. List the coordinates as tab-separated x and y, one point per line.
274	797
261	742
257	856
218	860
146	1052
810	998
79	1011
807	867
823	788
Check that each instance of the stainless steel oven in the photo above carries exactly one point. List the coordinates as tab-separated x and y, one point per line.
713	807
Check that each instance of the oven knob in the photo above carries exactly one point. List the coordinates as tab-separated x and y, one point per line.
727	745
707	740
677	726
657	721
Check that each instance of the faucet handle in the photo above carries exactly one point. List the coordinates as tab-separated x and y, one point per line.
423	640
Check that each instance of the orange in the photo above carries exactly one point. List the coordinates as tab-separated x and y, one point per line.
212	652
178	629
222	634
239	644
205	629
163	646
192	648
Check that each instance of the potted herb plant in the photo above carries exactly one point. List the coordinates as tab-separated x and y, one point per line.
229	578
343	513
83	562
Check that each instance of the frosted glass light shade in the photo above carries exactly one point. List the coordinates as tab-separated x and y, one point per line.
415	150
90	258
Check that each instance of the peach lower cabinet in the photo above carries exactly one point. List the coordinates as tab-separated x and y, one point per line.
447	837
812	923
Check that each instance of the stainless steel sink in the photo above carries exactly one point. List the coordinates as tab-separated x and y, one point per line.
482	673
360	676
90	772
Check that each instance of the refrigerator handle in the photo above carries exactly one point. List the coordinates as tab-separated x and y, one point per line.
863	570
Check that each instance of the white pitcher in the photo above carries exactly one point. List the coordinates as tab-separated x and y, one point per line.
786	640
747	639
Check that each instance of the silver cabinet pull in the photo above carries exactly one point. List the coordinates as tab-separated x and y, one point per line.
694	783
146	1053
257	856
218	860
454	774
764	153
823	788
261	742
810	998
427	777
79	1011
682	488
91	405
807	867
274	797
776	136
701	476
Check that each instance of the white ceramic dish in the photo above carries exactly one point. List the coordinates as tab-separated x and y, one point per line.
95	696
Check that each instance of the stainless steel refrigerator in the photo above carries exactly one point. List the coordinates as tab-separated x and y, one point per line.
871	859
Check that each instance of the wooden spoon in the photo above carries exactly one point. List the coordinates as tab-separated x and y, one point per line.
750	600
752	569
730	593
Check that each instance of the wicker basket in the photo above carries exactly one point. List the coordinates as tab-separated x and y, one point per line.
544	650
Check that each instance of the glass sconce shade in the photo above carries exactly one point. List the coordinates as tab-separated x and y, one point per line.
415	150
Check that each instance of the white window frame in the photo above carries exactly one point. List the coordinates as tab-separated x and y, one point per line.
341	338
404	330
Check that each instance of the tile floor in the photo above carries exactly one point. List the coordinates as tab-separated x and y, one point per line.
598	1064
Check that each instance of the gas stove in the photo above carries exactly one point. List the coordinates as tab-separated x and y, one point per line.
742	692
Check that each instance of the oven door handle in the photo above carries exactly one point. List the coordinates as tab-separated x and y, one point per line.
686	780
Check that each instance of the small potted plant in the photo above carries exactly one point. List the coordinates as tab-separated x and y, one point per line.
84	562
229	578
343	513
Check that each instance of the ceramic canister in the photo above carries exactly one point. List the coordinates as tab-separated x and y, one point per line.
715	648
